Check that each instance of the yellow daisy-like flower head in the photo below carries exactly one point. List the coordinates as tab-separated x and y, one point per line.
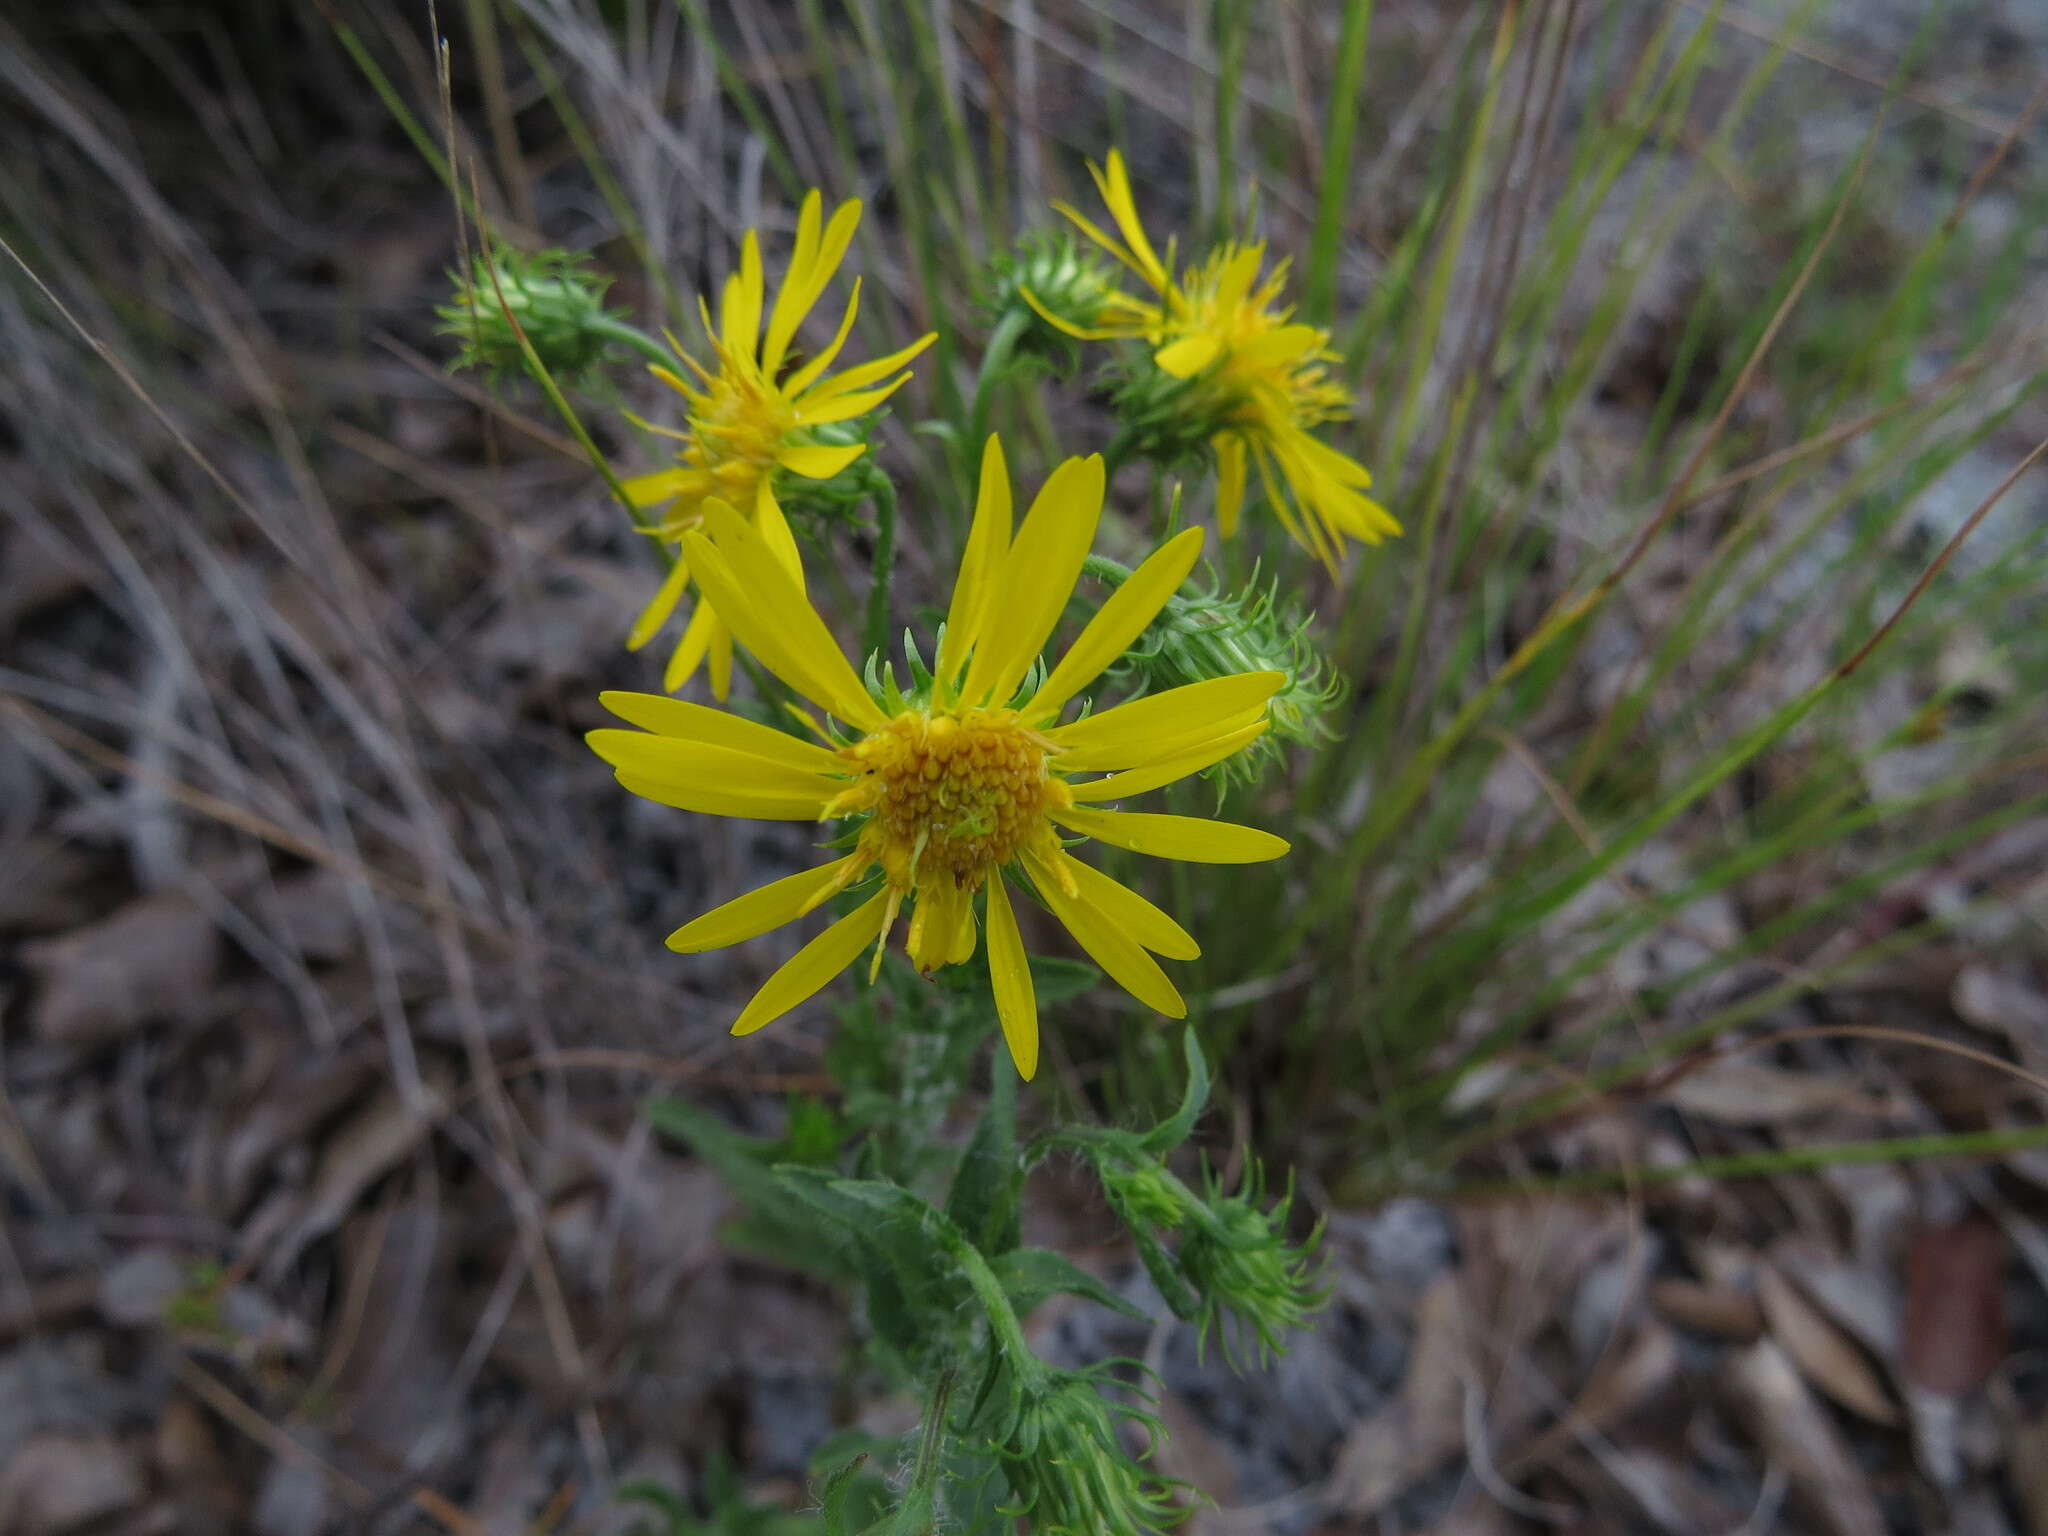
752	411
1256	380
971	779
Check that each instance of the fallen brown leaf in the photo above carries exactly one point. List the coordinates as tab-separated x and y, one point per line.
1864	1301
1824	1354
1794	1431
1725	1312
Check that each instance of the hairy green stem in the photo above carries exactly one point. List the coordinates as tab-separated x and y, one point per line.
1005	1333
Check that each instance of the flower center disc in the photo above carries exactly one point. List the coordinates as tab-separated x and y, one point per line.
955	794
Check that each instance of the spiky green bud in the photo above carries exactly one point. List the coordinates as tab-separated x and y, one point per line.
1047	273
552	297
1239	1259
1203	635
1068	1471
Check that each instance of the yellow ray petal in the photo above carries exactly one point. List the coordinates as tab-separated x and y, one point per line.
814	369
1119	621
1229	482
1170	742
1139	781
1195	839
942	928
1234	282
1114	183
739	324
688	766
814	412
1108	945
662	485
764	908
803	289
762	638
1009	971
773	618
1131	327
987	542
1036	578
712	802
1307	532
1127	736
676	381
964	935
892	902
815	964
1282	343
861	375
1187	357
818	461
660	606
1131	912
719	728
787	314
775	532
1108	242
690	651
720	658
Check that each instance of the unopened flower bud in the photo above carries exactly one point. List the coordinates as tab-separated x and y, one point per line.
1239	1259
1048	281
1203	635
553	298
1067	1467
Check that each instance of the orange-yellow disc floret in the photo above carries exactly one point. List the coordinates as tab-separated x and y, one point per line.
955	794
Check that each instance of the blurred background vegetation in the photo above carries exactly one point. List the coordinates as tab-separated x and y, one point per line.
1656	1003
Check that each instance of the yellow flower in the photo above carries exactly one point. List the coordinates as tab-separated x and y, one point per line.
1256	379
750	416
969	779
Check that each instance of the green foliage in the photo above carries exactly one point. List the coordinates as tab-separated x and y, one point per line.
945	1287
